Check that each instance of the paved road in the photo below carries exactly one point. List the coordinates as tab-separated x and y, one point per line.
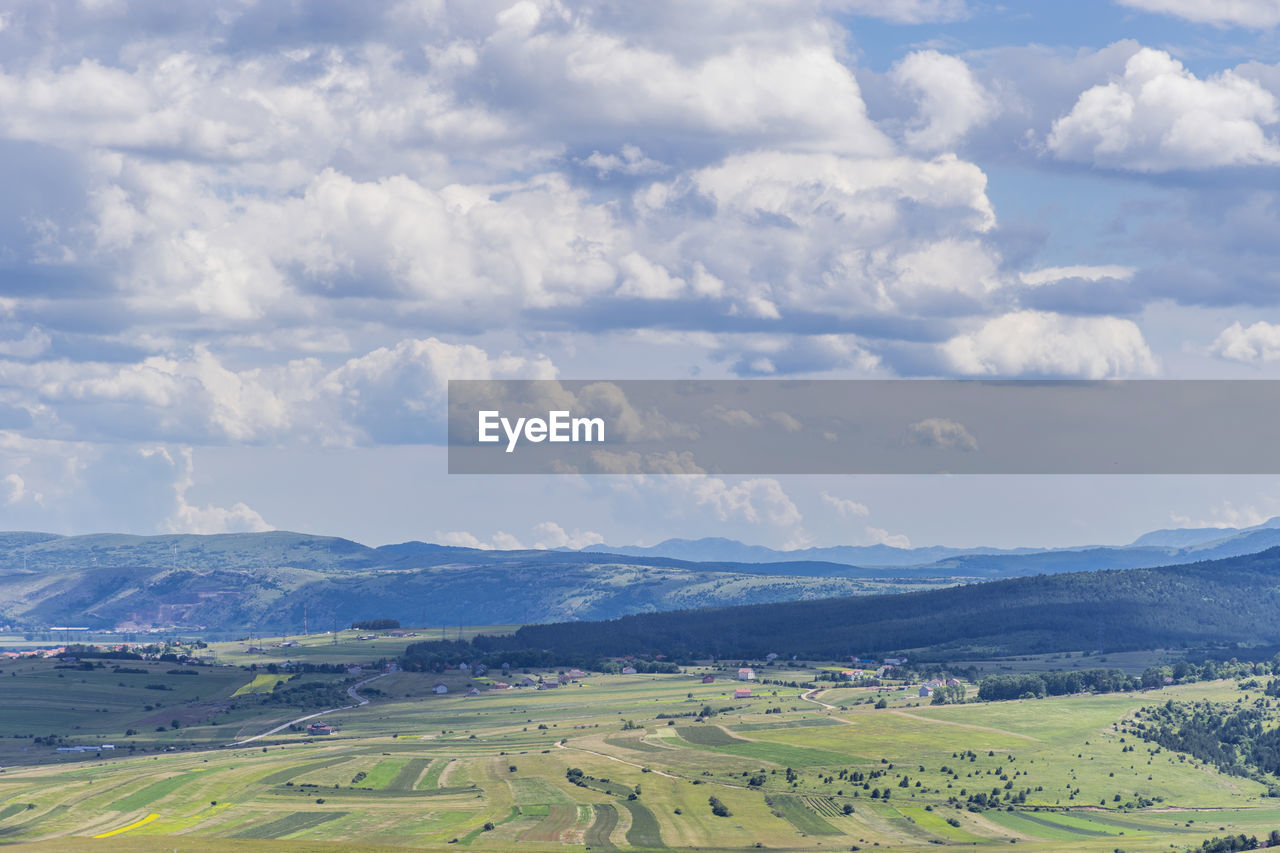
351	691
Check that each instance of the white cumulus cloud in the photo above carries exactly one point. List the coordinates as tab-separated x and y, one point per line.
1259	342
16	488
551	535
844	507
1037	343
880	536
1158	116
950	99
940	434
190	518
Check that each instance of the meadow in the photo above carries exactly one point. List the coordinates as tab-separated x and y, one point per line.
608	762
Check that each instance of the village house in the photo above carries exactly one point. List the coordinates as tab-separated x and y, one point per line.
926	691
708	679
528	682
440	688
501	685
319	729
742	693
472	691
628	670
746	673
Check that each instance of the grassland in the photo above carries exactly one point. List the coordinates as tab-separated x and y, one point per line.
343	647
412	769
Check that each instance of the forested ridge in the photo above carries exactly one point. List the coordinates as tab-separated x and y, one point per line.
1199	604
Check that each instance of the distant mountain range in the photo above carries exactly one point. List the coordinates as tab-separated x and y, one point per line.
715	549
267	582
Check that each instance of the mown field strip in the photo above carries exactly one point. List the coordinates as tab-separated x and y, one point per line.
137	823
150	793
280	827
606	821
799	815
645	830
409	773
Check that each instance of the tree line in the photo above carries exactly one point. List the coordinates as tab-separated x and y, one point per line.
1190	606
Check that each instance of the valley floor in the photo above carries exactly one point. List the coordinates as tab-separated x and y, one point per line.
624	762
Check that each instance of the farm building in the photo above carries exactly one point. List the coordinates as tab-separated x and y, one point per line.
628	670
472	691
527	682
501	685
742	693
708	679
926	691
746	673
440	688
319	729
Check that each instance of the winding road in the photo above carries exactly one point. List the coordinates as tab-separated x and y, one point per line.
351	691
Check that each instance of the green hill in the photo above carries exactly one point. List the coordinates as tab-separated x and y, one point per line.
1234	600
264	582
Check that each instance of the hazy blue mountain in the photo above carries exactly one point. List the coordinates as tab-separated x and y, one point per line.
477	592
45	552
1159	547
264	581
1187	536
712	549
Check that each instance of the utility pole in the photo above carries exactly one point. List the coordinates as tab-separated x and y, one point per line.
304	620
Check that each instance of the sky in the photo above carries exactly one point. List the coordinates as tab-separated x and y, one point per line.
244	245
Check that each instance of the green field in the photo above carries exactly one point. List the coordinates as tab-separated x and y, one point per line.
416	770
345	646
261	683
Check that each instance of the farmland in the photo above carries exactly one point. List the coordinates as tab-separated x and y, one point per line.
609	761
